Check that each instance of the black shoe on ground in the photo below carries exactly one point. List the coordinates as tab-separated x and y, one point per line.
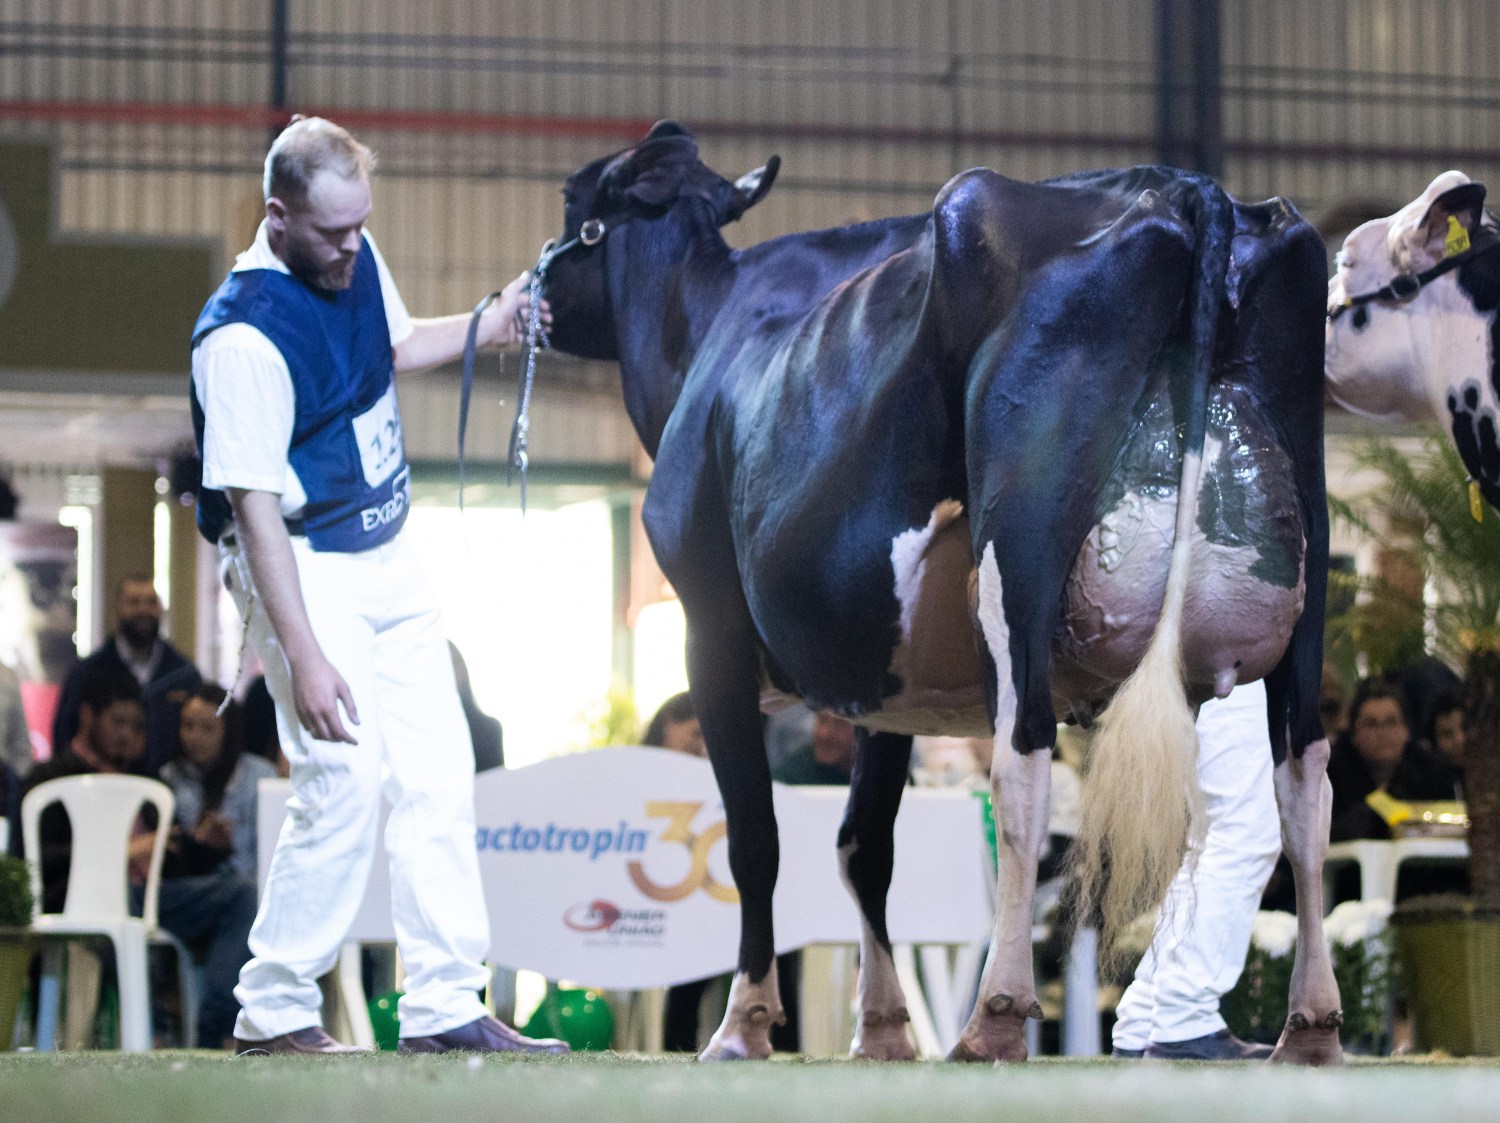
1119	1054
1221	1046
483	1035
313	1039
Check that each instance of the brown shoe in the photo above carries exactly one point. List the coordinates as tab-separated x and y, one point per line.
313	1039
483	1035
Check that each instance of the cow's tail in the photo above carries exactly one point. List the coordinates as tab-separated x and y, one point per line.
1142	806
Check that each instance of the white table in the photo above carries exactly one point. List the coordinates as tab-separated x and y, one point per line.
1380	862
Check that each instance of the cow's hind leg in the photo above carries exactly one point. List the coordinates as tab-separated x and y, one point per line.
866	856
1311	1035
1021	787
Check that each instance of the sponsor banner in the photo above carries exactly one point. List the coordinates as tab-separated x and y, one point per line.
611	867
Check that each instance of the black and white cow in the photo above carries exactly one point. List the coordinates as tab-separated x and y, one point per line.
1413	333
965	472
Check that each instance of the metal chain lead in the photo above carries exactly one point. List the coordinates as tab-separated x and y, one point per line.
536	339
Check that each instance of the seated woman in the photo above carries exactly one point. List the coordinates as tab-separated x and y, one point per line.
214	781
675	726
1445	736
1377	753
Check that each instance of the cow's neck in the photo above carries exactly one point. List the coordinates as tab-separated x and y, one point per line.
663	321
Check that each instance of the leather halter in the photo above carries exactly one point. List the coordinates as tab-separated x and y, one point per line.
1404	287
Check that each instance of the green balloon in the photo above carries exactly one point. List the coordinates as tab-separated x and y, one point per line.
384	1021
579	1016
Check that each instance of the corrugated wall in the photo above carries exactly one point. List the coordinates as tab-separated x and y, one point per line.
479	110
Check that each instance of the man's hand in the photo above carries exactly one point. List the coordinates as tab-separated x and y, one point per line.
215	831
317	690
441	340
506	320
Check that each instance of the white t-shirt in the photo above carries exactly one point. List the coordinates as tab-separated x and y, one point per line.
245	389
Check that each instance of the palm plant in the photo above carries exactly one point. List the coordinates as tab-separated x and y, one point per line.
1422	509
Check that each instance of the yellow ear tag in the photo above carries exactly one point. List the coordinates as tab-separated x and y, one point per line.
1476	504
1457	240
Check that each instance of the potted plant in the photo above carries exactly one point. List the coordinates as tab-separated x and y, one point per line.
1359	943
15	948
1449	947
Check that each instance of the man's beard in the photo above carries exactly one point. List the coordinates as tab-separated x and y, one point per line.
140	631
307	268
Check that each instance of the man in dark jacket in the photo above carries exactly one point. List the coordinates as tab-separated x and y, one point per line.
166	676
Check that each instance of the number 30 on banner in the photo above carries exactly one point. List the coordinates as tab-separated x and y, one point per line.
679	828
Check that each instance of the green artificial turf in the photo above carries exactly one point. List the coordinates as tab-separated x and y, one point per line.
602	1088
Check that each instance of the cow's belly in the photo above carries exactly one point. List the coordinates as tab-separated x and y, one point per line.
1247	579
937	659
1244	595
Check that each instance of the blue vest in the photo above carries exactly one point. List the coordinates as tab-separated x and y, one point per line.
346	436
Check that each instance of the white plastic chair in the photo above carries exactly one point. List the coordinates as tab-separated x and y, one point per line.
102	810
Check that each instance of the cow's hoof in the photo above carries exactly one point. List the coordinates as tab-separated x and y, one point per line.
882	1037
1307	1042
996	1032
744	1036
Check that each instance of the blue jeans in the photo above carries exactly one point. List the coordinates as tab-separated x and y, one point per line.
212	914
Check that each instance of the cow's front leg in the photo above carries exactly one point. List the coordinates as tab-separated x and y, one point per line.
1311	1035
722	675
866	855
1020	786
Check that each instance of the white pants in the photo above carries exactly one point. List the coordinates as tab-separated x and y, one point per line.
378	624
1204	931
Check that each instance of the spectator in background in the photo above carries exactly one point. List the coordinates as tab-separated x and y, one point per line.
1444	735
164	674
1423	681
215	783
1333	703
786	731
675	726
10	808
259	713
212	912
15	737
484	731
1377	753
827	759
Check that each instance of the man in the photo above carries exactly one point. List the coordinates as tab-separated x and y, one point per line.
212	911
1171	1010
165	675
827	759
305	491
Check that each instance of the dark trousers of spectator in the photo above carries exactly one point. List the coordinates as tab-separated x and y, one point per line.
212	914
788	1038
680	1024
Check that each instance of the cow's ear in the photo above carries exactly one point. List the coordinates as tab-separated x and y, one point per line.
652	173
1445	229
751	188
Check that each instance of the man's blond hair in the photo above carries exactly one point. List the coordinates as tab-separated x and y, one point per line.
307	146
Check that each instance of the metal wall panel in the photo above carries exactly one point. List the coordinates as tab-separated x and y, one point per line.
479	109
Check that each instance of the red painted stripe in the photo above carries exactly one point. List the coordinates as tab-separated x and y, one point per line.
626	129
262	117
